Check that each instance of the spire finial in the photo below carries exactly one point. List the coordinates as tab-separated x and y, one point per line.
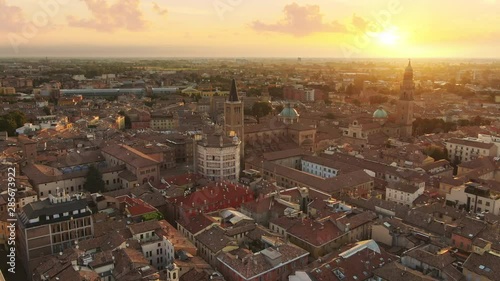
409	62
233	93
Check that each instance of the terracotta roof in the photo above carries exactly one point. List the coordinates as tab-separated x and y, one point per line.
146	226
135	206
130	155
197	223
214	239
487	265
315	233
363	258
250	265
394	271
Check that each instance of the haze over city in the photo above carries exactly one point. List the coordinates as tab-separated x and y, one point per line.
249	140
223	28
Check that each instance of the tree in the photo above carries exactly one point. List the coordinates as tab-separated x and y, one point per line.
436	152
330	115
276	92
349	90
94	182
8	125
253	92
261	109
18	117
152	216
378	99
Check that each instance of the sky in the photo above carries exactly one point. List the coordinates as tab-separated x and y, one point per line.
250	28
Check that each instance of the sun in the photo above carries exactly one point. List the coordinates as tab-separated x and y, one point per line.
388	37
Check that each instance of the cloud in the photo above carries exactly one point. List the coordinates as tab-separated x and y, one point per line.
123	14
159	10
359	22
12	18
300	21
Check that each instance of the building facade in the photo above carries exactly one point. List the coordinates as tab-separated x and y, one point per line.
50	226
463	150
218	157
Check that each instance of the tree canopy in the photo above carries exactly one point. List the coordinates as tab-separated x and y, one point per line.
422	126
94	182
261	109
11	121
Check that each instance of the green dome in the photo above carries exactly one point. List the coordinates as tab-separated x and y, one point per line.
380	113
289	112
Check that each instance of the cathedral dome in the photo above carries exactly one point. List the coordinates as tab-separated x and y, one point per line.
289	112
380	113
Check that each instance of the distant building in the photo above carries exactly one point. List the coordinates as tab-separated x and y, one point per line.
382	124
7	90
163	121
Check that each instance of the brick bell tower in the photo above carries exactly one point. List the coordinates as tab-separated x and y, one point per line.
234	116
405	103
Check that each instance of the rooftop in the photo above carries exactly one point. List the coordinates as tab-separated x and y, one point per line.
250	266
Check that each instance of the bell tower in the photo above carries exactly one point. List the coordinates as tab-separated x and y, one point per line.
405	103
234	116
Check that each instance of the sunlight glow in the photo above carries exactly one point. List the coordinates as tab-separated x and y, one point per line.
388	37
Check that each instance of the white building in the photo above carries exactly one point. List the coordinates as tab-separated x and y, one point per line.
155	247
318	167
490	139
476	198
310	95
218	157
27	128
403	193
467	149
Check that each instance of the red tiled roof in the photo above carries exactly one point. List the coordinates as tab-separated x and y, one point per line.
212	193
135	206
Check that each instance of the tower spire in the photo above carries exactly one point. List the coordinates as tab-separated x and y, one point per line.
233	93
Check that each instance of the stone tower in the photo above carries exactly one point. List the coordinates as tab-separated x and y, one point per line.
405	104
234	116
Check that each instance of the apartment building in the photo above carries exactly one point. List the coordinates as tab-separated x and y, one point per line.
52	225
466	149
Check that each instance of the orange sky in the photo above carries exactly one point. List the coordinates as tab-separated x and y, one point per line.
256	28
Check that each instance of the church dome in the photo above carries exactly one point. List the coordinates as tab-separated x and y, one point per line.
289	112
380	113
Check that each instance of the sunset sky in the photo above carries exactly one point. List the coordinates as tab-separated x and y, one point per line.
250	28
